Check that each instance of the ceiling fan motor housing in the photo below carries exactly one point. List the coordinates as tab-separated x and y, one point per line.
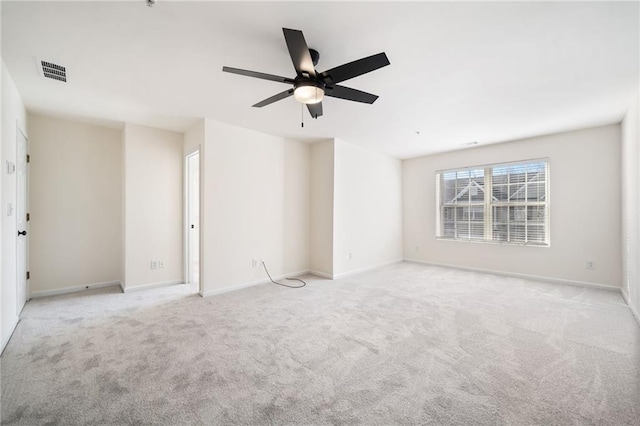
304	82
315	56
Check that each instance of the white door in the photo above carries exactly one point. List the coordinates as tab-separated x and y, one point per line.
193	218
21	219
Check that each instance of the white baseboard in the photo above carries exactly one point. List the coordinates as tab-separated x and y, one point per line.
126	289
5	339
321	274
518	275
365	269
74	289
625	296
251	284
633	310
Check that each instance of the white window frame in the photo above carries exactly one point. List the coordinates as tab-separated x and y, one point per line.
489	203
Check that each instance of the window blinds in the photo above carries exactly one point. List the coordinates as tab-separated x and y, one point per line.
502	203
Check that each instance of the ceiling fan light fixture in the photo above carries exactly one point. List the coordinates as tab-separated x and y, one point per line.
308	94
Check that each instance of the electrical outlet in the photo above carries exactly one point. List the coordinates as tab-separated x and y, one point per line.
350	255
254	263
590	264
154	264
417	249
160	264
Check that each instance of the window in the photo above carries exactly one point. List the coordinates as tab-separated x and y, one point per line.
505	203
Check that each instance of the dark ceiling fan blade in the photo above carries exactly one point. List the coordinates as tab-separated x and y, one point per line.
350	94
299	52
315	109
274	98
256	74
355	68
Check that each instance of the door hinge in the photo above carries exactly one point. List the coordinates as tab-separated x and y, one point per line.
28	274
28	217
28	158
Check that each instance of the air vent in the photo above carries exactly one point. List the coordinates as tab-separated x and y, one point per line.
54	71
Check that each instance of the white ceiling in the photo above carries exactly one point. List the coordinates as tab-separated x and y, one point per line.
460	72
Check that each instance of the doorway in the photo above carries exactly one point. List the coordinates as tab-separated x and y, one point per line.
22	242
192	218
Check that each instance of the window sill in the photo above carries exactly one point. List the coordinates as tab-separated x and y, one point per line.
502	243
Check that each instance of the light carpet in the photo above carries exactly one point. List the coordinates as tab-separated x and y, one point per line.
404	344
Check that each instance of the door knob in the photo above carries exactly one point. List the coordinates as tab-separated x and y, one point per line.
22	232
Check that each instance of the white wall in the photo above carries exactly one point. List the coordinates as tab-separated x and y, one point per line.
2	142
14	117
75	205
367	209
153	206
255	206
321	209
296	182
631	206
194	137
585	209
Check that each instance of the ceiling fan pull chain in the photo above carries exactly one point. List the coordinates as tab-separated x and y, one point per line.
302	115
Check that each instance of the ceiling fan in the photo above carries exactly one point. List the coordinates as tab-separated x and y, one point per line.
310	86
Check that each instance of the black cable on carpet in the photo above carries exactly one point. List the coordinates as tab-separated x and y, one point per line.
284	285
